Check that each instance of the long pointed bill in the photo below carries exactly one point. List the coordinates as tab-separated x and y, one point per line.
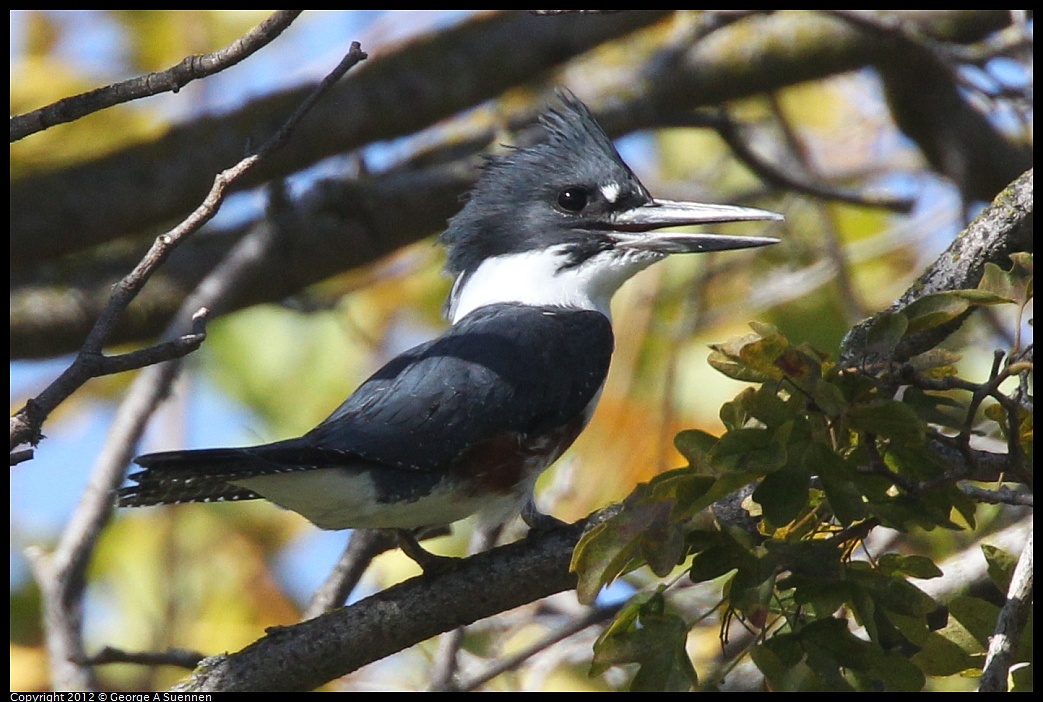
636	226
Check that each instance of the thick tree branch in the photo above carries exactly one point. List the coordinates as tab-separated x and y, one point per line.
1003	228
333	235
306	655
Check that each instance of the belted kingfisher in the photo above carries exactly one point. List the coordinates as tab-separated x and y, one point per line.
465	423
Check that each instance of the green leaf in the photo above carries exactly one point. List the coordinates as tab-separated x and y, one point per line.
920	567
941	656
764	404
935	408
977	616
751	450
1000	566
649	529
783	495
719	558
936	309
780	661
818	656
953	649
885	332
891	592
640	530
889	419
750	358
653	639
1015	284
831	640
696	446
839	483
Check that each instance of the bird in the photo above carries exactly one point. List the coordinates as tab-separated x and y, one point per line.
464	423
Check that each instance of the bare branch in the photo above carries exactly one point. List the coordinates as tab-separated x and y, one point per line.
173	79
1004	643
27	422
306	655
801	182
179	657
593	616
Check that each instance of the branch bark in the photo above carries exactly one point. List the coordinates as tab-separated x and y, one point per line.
309	654
171	80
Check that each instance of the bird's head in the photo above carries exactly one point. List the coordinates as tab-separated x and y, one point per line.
566	222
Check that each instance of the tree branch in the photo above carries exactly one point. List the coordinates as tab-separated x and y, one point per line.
145	185
1003	228
306	655
1013	616
27	422
173	79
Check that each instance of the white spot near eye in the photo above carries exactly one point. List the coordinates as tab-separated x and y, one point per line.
611	192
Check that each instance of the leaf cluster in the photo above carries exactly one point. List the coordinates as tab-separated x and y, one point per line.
823	455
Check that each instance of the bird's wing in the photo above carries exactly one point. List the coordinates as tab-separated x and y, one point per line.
502	370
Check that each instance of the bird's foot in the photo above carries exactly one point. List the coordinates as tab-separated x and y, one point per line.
538	521
429	562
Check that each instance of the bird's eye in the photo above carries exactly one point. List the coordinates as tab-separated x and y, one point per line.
572	199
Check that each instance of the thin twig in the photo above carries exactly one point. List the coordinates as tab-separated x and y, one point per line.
362	548
180	657
592	617
446	663
28	421
173	79
801	182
